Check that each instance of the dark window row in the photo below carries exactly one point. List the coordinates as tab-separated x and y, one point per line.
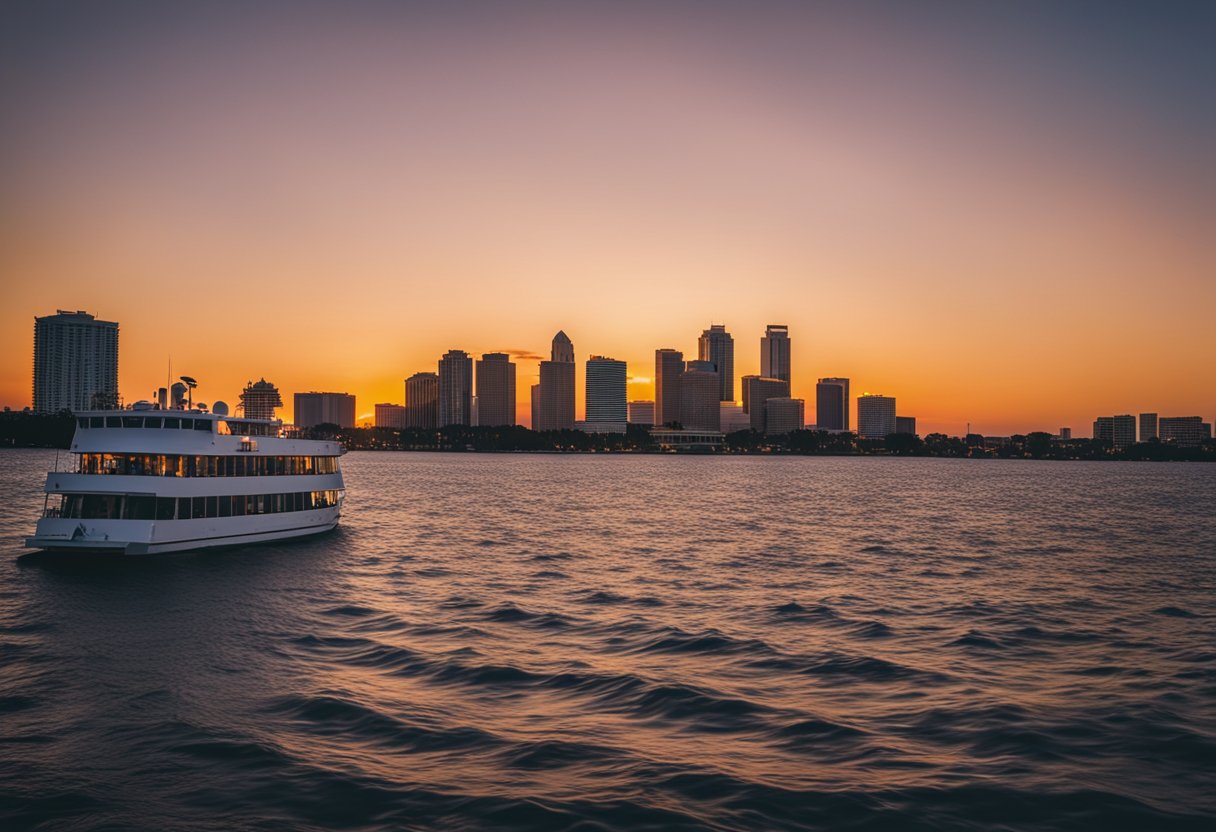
138	507
224	426
180	465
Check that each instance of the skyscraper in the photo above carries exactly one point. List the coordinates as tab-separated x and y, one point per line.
716	346
422	401
495	389
832	404
756	391
556	395
75	362
875	416
455	388
699	391
1123	431
259	400
607	398
775	353
312	409
1148	427
668	365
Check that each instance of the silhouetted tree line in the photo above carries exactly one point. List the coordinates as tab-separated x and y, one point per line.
23	429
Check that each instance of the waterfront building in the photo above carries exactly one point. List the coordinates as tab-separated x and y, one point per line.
783	415
534	399
775	353
693	441
556	387
422	401
718	347
390	416
495	399
905	424
455	388
641	412
832	404
756	391
75	362
1123	431
875	416
607	396
1065	435
1184	431
259	400
1148	427
600	427
699	391
668	365
731	417
1104	430
312	409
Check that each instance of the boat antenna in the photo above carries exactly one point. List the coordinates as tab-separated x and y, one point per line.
190	385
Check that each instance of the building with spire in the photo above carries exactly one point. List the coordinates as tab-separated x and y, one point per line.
717	347
553	404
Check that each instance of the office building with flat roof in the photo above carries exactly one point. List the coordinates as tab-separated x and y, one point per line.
905	424
641	412
422	401
75	362
756	391
455	388
783	415
775	352
668	366
1184	431
699	391
607	396
832	404
495	389
717	347
875	416
390	416
1123	431
731	417
1148	427
313	408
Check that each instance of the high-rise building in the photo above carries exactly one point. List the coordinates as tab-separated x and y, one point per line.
535	411
422	401
716	346
756	391
455	388
1148	427
668	365
1065	434
1104	430
390	416
1124	431
832	404
905	424
699	391
783	415
556	397
75	362
495	389
875	416
312	409
775	353
1185	431
641	412
607	397
259	400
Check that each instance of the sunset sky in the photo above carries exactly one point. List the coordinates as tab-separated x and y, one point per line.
1002	214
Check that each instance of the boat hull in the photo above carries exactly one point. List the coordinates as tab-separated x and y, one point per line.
145	537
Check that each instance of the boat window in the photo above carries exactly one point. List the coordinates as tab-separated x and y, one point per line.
82	422
97	422
187	424
165	507
172	422
152	422
202	424
132	421
113	421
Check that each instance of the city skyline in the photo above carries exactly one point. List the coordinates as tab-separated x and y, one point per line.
976	230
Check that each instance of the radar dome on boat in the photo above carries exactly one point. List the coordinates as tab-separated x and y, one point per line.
220	408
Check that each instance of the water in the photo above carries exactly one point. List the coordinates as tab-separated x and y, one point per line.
590	642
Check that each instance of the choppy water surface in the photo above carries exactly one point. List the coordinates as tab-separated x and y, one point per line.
515	641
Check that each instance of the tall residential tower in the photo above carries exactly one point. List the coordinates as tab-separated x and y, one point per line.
75	362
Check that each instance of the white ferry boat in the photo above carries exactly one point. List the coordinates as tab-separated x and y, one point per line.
147	480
